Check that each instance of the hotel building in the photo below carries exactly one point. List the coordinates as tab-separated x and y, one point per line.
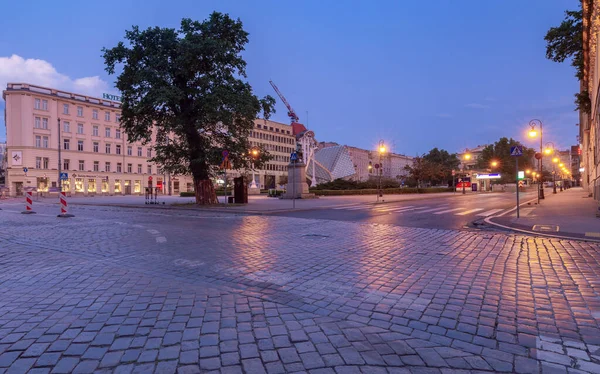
95	152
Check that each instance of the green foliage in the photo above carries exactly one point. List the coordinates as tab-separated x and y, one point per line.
373	191
183	87
583	102
341	184
442	163
500	152
566	41
187	194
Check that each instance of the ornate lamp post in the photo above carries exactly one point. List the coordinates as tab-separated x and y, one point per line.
254	152
548	151
466	157
532	134
381	149
493	165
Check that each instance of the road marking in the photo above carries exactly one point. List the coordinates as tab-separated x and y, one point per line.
153	232
433	209
347	207
449	210
545	228
468	212
161	239
489	212
393	209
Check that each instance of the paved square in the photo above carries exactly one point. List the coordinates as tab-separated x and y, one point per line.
137	290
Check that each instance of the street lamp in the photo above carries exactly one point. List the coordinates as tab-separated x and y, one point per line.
466	157
382	150
493	165
532	134
254	152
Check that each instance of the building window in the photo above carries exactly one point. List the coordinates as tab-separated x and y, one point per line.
95	131
81	165
96	166
38	122
107	116
95	149
129	167
38	162
45	162
107	148
65	108
140	151
119	169
66	144
80	145
117	134
149	152
66	127
107	167
149	169
44	142
107	132
37	104
66	164
44	104
117	118
80	111
139	168
95	114
118	149
45	123
129	150
38	141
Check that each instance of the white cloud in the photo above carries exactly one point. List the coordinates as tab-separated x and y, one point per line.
477	106
16	69
444	115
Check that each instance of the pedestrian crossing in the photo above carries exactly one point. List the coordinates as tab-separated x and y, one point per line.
437	210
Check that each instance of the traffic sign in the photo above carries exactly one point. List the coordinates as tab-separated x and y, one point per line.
516	151
150	178
64	176
376	166
521	175
293	156
25	170
520	183
225	153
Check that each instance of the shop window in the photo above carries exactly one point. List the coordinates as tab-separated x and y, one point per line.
78	184
92	185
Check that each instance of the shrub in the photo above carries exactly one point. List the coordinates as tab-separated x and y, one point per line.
187	194
373	191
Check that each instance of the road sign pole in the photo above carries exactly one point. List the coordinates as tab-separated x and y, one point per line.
517	181
294	184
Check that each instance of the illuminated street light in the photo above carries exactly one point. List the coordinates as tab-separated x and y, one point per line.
381	152
254	152
466	157
532	134
494	164
528	171
561	165
555	160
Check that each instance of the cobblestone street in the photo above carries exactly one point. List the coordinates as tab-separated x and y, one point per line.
165	290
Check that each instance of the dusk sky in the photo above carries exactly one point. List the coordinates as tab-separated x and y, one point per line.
452	74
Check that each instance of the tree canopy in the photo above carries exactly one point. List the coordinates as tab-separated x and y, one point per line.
434	167
183	88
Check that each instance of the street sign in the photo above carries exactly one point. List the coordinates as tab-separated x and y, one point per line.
376	166
520	183
225	153
516	151
25	170
293	156
150	179
521	175
64	176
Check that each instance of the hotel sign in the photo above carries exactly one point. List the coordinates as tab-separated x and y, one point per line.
112	97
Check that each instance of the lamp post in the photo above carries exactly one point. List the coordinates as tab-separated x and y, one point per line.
548	151
381	149
254	152
533	134
493	165
466	157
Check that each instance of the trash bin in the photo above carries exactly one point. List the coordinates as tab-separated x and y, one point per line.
474	187
230	199
240	190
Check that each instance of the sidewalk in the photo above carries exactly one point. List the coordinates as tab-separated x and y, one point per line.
569	214
256	205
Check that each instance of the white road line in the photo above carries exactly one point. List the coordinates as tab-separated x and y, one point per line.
346	207
394	209
489	212
153	232
433	209
360	207
468	212
449	210
161	239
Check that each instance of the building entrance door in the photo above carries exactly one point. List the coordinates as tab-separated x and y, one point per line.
19	188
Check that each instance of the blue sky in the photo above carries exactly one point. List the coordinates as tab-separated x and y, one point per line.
452	74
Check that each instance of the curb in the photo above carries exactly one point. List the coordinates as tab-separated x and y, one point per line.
489	221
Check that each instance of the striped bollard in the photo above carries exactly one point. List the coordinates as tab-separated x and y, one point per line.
28	203
63	206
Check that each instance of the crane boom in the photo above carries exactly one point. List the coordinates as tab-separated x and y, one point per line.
291	112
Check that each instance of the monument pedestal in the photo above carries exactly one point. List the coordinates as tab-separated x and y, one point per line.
253	191
297	186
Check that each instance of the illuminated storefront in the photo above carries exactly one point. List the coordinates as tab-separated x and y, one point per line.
117	186
137	187
91	186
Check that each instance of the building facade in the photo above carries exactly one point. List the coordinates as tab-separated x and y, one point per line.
95	152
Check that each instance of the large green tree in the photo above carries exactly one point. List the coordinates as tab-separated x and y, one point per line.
443	162
185	87
565	42
422	171
500	152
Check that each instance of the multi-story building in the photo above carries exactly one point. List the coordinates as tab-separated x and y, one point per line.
474	154
280	141
575	164
2	161
95	152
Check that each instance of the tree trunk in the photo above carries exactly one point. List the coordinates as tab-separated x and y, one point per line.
205	192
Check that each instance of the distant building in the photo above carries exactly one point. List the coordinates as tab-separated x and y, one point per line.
474	153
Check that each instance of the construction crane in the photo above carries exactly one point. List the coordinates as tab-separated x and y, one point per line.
291	112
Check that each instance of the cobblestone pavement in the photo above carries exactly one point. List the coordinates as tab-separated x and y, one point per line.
135	290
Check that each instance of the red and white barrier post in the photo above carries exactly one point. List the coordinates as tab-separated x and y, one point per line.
28	203
63	206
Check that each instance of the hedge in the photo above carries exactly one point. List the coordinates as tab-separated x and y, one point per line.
386	191
187	194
